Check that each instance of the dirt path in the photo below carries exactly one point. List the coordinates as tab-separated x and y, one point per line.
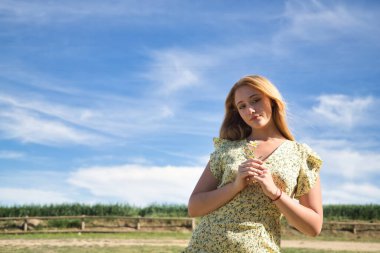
325	245
332	245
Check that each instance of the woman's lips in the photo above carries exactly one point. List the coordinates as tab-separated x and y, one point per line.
255	117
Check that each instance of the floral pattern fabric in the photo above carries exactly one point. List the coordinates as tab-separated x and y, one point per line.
250	222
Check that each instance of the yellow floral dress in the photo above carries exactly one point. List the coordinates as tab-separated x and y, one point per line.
250	222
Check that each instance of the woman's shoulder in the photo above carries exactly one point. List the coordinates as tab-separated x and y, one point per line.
302	147
220	143
307	151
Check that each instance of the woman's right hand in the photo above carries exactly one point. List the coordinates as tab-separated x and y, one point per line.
247	171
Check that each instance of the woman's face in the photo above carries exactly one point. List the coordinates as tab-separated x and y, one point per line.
253	106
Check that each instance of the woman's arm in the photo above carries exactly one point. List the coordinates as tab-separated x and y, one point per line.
307	215
206	197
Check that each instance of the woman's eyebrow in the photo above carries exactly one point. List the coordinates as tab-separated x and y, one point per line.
254	95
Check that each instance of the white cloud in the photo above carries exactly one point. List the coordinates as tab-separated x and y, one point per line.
346	160
349	193
38	104
339	118
314	21
107	118
343	111
138	184
98	120
349	171
31	196
334	128
350	163
29	127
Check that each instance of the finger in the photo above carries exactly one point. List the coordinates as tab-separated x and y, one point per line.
254	160
250	169
259	166
246	167
252	165
255	166
264	175
253	173
248	174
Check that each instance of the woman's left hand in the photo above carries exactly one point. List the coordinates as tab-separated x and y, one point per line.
264	177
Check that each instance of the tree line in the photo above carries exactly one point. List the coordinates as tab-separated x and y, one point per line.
331	212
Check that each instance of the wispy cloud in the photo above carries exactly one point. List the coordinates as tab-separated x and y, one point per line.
33	117
336	116
313	20
29	77
63	114
173	70
310	18
343	111
318	22
40	12
29	127
31	196
8	154
138	184
333	127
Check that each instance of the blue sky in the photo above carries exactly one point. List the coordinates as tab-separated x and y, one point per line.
118	101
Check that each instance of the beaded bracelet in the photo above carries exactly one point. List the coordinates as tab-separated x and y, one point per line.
279	196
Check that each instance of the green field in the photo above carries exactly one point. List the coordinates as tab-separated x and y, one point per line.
331	212
131	235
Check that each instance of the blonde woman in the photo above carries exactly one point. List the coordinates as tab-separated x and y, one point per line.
253	175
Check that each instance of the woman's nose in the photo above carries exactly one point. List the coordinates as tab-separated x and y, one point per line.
251	110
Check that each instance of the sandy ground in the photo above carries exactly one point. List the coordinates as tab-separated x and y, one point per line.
326	245
332	245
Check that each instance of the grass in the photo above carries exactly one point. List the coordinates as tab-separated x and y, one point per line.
348	238
331	236
97	249
132	235
185	235
293	250
133	249
120	249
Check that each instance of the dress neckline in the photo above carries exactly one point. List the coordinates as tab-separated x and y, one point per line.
273	151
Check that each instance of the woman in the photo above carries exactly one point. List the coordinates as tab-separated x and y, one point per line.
253	175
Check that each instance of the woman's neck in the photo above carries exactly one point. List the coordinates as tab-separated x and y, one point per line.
265	134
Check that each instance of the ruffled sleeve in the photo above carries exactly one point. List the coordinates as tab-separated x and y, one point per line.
216	159
309	170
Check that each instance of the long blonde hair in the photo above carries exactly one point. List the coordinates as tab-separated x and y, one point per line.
234	127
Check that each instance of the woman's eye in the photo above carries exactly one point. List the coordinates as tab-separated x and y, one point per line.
241	107
255	101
